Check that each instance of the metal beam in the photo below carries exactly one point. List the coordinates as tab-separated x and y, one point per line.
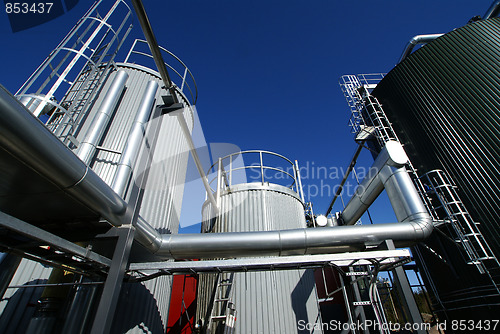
406	293
49	239
109	298
275	263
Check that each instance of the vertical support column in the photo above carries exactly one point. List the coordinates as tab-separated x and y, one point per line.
112	286
406	293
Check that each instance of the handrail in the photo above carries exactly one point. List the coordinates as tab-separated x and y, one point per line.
184	82
261	166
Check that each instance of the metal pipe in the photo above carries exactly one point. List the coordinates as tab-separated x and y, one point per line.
419	39
29	141
196	159
344	179
292	242
392	155
101	120
162	69
388	171
493	11
134	140
153	46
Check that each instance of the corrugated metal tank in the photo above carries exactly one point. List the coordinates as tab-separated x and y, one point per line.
444	103
157	189
266	302
144	306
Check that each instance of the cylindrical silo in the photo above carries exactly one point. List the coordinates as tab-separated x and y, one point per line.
444	103
265	302
111	115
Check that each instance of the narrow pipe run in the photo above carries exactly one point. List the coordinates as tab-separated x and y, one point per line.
419	39
493	11
134	140
101	120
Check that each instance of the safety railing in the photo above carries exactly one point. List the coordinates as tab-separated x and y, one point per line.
254	166
173	63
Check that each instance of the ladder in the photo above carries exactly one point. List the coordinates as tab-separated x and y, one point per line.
65	123
435	188
449	208
223	314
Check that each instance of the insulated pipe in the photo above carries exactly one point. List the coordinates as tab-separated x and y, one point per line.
493	11
27	139
393	155
101	120
388	171
134	140
419	39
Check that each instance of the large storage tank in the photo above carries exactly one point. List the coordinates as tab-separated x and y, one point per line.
444	103
98	118
271	301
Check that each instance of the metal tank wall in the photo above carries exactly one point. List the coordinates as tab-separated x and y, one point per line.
271	301
444	103
14	300
144	306
157	189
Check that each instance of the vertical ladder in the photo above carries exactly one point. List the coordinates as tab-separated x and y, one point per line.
223	314
437	192
449	207
65	123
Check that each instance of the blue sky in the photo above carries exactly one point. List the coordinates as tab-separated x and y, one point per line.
267	71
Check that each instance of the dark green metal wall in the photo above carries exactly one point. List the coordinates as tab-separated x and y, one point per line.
444	103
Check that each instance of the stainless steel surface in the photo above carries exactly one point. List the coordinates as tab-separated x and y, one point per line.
493	10
418	39
269	301
274	263
175	64
153	45
134	140
415	223
297	241
194	154
158	174
21	135
373	184
102	119
28	141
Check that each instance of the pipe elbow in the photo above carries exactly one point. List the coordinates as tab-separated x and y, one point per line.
423	227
